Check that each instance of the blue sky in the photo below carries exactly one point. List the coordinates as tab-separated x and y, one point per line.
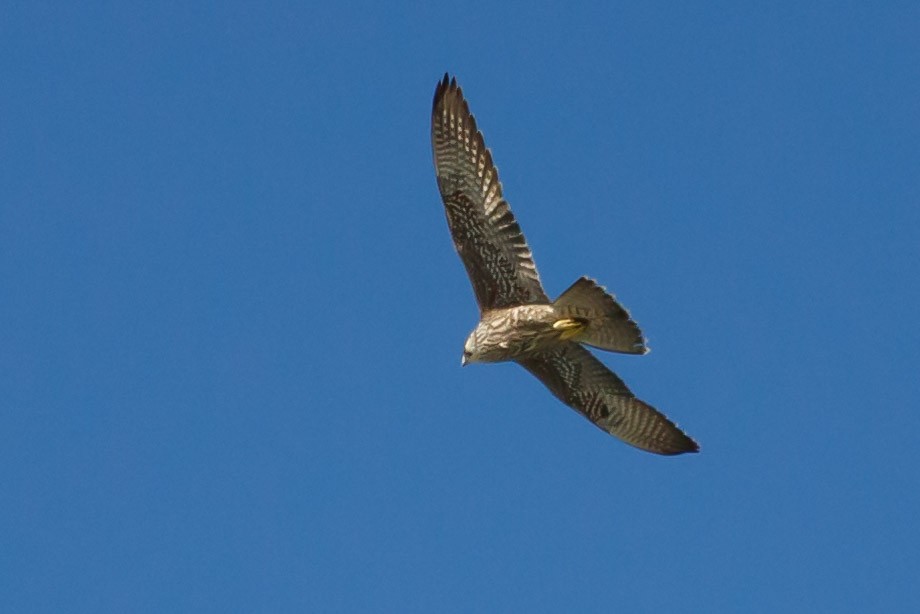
232	318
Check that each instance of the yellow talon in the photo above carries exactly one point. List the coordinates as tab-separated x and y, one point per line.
570	327
567	324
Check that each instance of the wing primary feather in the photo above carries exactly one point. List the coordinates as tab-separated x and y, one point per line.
582	382
486	235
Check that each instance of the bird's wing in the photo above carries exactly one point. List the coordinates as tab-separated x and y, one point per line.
486	235
582	382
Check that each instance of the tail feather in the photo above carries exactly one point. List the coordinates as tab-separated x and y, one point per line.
606	324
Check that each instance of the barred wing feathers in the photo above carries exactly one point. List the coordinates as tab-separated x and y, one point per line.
582	382
485	233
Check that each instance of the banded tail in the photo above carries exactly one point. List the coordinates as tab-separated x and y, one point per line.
591	316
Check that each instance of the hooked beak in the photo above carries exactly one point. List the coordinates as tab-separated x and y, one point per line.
463	360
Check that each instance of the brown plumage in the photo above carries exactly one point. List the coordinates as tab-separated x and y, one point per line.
517	320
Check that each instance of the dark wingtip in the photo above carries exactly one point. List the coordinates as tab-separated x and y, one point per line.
445	85
690	447
677	443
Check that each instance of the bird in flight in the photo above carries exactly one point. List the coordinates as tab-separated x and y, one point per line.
518	322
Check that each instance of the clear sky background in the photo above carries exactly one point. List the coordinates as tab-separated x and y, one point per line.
231	316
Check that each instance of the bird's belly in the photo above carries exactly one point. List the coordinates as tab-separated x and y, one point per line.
529	340
520	331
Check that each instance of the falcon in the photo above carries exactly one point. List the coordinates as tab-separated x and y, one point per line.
518	322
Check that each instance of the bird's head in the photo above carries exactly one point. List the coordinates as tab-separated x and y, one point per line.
484	345
470	350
